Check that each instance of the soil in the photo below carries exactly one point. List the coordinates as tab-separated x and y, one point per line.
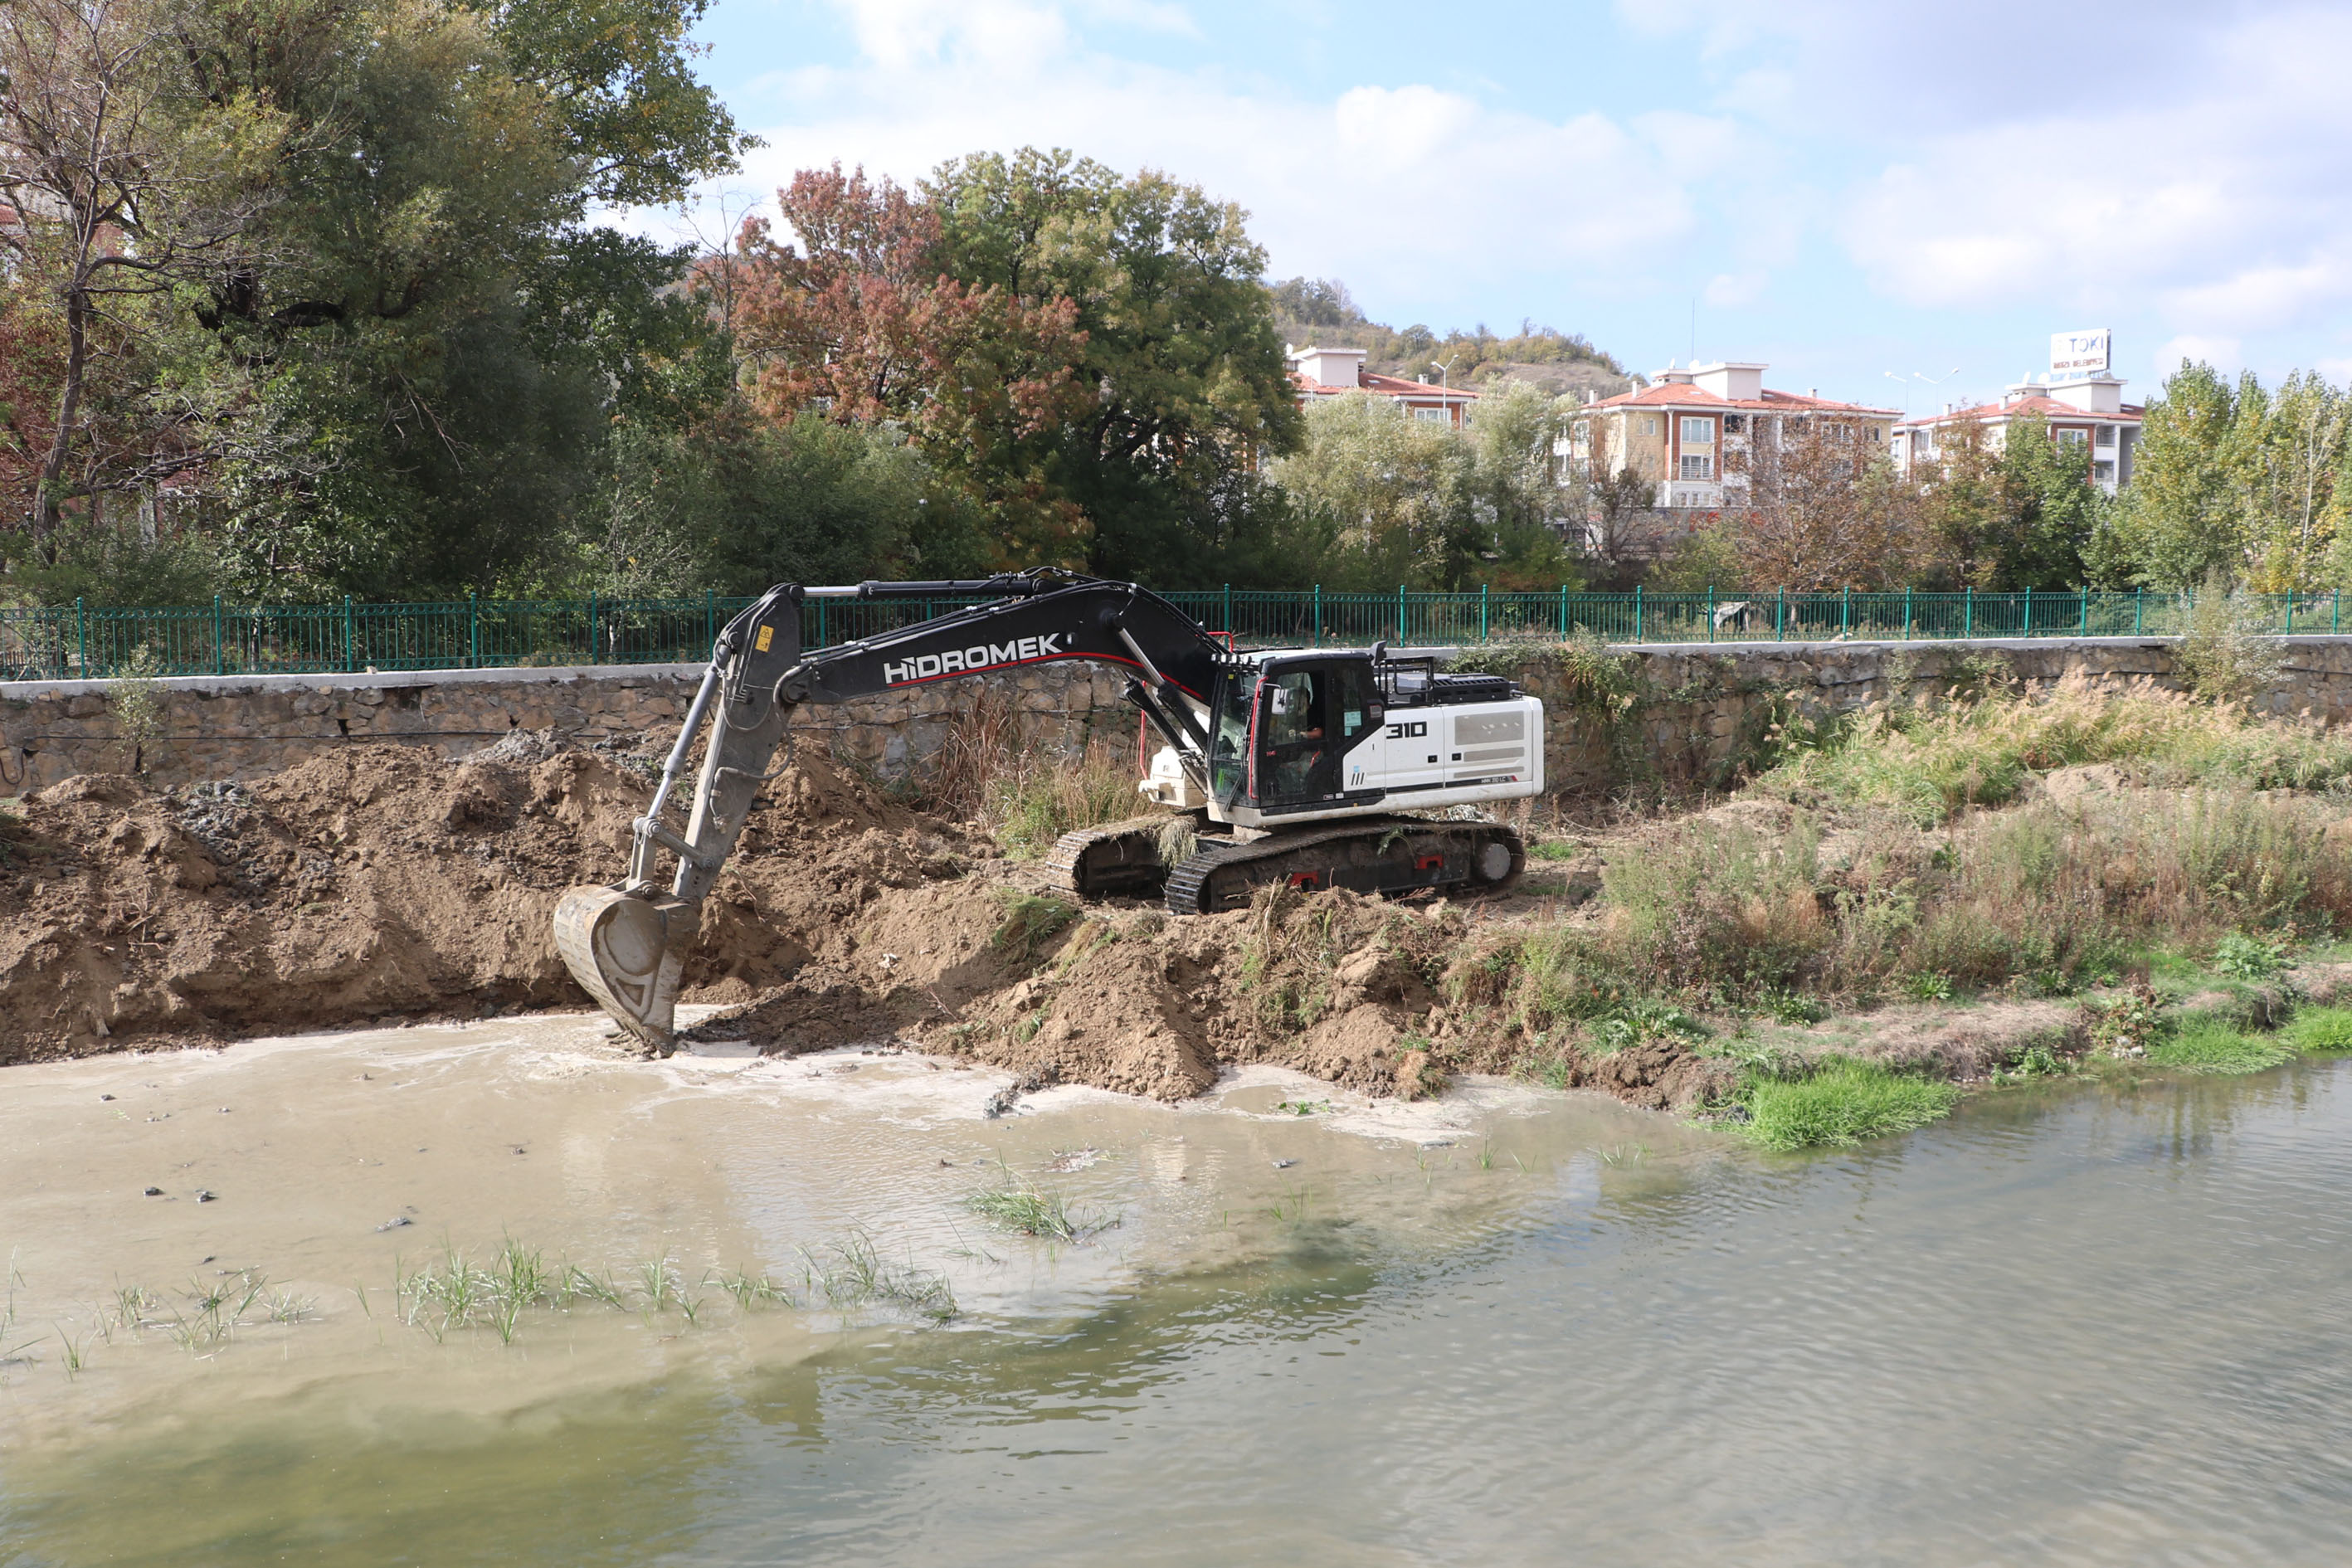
383	884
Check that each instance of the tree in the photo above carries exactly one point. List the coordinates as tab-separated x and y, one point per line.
1377	499
1186	388
860	322
2177	523
125	186
2290	450
1828	513
2050	510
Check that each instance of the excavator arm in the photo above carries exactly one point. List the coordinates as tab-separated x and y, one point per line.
626	943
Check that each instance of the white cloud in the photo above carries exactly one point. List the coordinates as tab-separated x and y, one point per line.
2220	198
2222	353
1413	194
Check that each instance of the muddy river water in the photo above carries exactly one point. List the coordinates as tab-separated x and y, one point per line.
2101	1323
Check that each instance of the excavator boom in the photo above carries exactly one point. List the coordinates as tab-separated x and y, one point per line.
1292	765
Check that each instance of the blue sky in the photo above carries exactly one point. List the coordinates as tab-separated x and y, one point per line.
1839	190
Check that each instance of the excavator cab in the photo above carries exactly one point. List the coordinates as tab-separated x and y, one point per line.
1287	727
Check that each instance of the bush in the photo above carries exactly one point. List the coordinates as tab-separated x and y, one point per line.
2211	1045
1931	758
1840	1101
2320	1030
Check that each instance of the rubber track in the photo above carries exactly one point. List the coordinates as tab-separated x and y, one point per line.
1187	881
1063	859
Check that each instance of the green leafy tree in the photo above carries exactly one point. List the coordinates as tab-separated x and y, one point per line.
1187	384
1378	499
2048	508
2178	517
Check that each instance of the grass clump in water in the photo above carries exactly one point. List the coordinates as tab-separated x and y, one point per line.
1033	1211
1839	1100
2205	1044
2321	1031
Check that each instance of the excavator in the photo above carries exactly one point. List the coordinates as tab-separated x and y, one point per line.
1295	766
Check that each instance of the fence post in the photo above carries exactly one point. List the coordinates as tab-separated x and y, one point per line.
2335	618
1845	611
220	652
1318	615
350	637
2286	617
1780	617
1563	611
1482	611
592	625
1967	610
1710	612
821	639
81	634
2029	609
2139	602
2086	612
710	617
1907	614
1637	612
1401	632
473	630
1229	615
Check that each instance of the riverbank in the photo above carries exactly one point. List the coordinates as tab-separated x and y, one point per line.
1957	892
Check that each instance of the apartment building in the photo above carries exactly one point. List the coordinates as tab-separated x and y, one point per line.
1692	433
1335	373
2085	412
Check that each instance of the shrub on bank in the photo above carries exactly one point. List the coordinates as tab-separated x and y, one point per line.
1840	1100
2212	1045
2043	897
1932	758
2321	1031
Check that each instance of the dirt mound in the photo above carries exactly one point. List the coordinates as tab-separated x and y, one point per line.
384	882
380	882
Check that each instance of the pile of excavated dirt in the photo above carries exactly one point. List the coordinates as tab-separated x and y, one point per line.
385	883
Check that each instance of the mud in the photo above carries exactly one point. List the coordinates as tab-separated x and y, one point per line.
384	885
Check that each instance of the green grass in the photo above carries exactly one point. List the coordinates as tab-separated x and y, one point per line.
1555	849
1033	1211
2211	1045
1840	1101
1030	920
2320	1030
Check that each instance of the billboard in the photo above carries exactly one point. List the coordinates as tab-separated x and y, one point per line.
2080	353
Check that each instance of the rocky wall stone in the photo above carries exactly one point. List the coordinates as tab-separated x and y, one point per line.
1703	704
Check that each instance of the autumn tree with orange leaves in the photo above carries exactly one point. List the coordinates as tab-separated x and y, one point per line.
858	322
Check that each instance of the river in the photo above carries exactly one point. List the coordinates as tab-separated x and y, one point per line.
2098	1322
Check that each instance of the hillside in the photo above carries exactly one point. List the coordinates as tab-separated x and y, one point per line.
1320	310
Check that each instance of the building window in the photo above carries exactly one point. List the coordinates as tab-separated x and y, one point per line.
1734	422
1698	465
1429	413
1649	424
1698	432
2106	436
2103	472
2074	437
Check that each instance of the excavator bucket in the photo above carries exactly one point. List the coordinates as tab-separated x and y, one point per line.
627	951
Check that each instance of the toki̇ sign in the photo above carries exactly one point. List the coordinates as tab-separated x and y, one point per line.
2084	352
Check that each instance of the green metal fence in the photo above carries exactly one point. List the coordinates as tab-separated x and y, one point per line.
86	641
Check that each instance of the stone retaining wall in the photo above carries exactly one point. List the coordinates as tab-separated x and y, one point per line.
1701	705
238	726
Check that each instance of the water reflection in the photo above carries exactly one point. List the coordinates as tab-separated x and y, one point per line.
2079	1324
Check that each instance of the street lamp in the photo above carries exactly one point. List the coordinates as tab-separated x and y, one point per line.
1918	376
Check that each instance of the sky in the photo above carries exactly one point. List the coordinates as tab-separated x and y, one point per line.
1892	203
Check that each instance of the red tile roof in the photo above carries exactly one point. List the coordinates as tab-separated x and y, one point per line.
2033	402
1386	386
1678	394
